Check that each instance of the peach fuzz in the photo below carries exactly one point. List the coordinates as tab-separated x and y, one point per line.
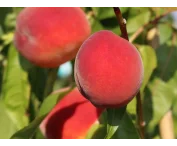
50	36
108	70
71	118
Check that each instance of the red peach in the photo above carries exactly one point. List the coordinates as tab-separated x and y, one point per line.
71	118
108	70
50	36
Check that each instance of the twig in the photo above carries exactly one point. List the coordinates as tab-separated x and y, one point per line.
122	23
140	30
124	34
139	111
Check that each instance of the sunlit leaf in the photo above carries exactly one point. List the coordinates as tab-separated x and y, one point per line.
149	62
15	89
6	123
165	32
136	22
97	131
162	97
149	66
29	131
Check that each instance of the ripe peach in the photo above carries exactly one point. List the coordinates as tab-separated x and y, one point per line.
108	70
50	36
71	118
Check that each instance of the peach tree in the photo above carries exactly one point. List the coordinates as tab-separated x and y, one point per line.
122	76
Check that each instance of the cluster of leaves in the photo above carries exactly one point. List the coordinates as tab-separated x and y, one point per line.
24	96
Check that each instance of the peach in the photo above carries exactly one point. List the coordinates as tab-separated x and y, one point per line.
71	118
108	70
50	36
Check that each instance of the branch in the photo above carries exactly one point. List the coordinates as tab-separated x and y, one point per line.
140	30
122	23
139	112
139	109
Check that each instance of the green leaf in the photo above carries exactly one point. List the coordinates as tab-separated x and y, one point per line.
25	64
37	78
97	131
29	131
162	97
6	39
1	32
149	64
104	13
127	129
111	24
166	56
173	84
7	126
135	11
124	9
131	107
52	100
114	117
17	10
136	22
10	20
49	103
165	33
4	11
96	26
15	89
105	18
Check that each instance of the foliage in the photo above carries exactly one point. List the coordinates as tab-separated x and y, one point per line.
24	103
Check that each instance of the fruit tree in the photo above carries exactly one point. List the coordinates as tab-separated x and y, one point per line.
88	73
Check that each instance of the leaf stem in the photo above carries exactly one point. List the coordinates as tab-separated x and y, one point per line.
139	109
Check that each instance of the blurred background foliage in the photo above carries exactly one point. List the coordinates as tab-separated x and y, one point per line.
23	86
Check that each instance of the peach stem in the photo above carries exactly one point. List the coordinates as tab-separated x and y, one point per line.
139	109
